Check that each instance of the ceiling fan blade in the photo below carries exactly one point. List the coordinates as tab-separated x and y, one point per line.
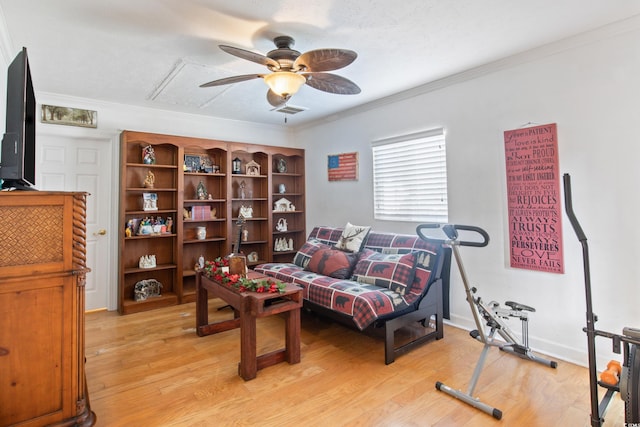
276	100
324	60
332	83
231	80
251	56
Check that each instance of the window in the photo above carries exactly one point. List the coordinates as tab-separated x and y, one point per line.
410	178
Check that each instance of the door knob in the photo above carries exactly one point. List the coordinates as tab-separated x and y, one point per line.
100	232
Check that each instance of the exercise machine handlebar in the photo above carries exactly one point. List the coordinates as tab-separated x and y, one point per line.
568	207
451	231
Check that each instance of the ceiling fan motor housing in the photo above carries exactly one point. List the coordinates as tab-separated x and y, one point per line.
284	55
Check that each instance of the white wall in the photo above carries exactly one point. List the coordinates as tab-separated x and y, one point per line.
590	88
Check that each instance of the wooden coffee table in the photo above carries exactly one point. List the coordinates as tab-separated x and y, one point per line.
247	307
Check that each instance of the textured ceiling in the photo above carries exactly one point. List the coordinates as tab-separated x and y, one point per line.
155	53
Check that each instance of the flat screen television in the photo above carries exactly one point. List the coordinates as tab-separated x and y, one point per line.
18	153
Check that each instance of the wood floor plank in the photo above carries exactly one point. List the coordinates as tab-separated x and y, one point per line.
151	369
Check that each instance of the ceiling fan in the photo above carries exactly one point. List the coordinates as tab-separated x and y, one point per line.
290	70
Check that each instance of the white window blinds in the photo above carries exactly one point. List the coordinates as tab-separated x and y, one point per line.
410	178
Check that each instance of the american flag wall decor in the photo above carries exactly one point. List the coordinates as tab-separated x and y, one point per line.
343	167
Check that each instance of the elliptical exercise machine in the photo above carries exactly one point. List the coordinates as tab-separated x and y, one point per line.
628	378
492	313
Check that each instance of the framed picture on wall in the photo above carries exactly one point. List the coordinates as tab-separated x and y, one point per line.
343	167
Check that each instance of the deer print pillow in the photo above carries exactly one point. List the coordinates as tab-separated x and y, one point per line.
352	237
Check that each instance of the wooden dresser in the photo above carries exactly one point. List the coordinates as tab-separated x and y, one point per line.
42	278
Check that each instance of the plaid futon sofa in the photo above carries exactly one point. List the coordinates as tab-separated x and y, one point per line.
395	280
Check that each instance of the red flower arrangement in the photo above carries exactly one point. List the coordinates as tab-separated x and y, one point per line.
214	270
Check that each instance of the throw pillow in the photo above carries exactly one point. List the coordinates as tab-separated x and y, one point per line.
352	237
333	263
304	254
393	271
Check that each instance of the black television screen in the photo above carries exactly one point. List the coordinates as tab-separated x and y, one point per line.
18	155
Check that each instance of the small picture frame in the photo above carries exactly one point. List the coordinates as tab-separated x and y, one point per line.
191	163
252	257
149	201
199	163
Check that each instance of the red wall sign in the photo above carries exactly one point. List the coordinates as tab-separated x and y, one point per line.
535	203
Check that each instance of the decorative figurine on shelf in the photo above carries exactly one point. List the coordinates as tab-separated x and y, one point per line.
282	189
242	187
201	233
246	211
156	226
145	227
148	155
149	180
282	165
201	191
281	226
147	288
147	261
245	235
282	245
236	166
283	205
169	224
213	213
128	232
253	168
200	264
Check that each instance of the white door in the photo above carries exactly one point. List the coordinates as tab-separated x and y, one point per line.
70	163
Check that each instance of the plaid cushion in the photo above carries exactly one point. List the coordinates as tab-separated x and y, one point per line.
426	255
425	263
327	235
304	254
392	271
332	262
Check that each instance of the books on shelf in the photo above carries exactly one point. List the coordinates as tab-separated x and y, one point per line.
200	212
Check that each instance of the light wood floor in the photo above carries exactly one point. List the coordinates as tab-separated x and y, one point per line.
151	369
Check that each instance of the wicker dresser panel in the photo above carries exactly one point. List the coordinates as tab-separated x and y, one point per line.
24	244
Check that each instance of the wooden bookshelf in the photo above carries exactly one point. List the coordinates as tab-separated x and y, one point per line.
194	184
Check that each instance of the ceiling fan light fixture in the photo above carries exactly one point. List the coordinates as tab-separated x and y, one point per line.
284	83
